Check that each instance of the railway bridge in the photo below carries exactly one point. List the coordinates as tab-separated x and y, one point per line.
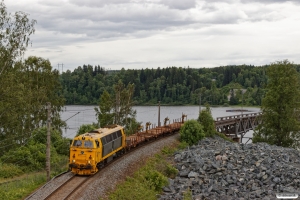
236	126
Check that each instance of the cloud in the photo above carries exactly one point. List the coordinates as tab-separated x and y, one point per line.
269	1
180	5
114	20
151	33
98	3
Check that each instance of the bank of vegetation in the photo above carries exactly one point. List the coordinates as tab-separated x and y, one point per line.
224	85
29	84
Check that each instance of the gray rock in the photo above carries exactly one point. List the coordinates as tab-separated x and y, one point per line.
167	189
193	174
184	173
250	171
276	179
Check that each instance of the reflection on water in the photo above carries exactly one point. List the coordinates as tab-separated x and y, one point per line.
75	116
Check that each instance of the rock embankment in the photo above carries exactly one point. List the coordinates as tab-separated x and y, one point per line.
218	169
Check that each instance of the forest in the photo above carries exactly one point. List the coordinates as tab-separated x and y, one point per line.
28	85
219	86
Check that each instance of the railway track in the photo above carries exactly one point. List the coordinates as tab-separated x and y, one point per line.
72	186
66	189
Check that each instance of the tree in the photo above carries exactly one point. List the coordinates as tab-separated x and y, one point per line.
206	120
26	88
124	113
191	132
117	108
14	36
104	115
280	106
84	128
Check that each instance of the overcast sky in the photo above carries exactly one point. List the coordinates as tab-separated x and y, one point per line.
136	34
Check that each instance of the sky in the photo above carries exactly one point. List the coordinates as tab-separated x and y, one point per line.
136	34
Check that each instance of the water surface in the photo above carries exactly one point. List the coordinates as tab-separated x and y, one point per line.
78	115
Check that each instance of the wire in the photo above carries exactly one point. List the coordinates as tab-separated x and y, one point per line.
31	154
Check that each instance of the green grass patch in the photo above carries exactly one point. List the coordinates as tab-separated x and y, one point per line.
168	150
182	145
20	188
17	184
149	180
223	136
187	195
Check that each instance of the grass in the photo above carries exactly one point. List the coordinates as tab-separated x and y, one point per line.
187	195
20	188
146	183
149	180
16	184
223	136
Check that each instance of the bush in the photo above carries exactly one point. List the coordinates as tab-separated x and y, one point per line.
60	143
9	171
84	128
30	157
156	180
171	171
191	132
206	120
27	157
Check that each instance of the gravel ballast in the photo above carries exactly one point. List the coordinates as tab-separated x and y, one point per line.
218	169
106	179
49	187
123	168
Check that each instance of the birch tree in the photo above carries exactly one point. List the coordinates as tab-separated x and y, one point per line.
280	106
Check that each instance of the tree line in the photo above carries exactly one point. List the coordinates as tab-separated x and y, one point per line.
28	84
225	85
26	87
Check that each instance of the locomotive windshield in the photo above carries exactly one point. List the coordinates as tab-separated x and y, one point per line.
77	143
88	144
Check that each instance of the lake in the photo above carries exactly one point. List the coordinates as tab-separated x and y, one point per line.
76	115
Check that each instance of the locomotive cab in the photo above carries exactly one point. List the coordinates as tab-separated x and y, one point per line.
91	150
83	155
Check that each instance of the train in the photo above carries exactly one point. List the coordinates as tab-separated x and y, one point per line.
90	151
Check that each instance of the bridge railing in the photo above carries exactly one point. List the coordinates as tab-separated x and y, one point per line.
238	116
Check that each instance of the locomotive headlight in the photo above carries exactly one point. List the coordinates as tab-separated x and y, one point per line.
89	162
73	161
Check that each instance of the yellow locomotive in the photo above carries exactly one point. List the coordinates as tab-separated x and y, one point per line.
90	151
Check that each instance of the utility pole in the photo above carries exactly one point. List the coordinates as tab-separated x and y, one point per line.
199	103
48	141
242	101
62	67
158	113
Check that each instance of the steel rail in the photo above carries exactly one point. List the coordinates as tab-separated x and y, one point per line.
128	152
